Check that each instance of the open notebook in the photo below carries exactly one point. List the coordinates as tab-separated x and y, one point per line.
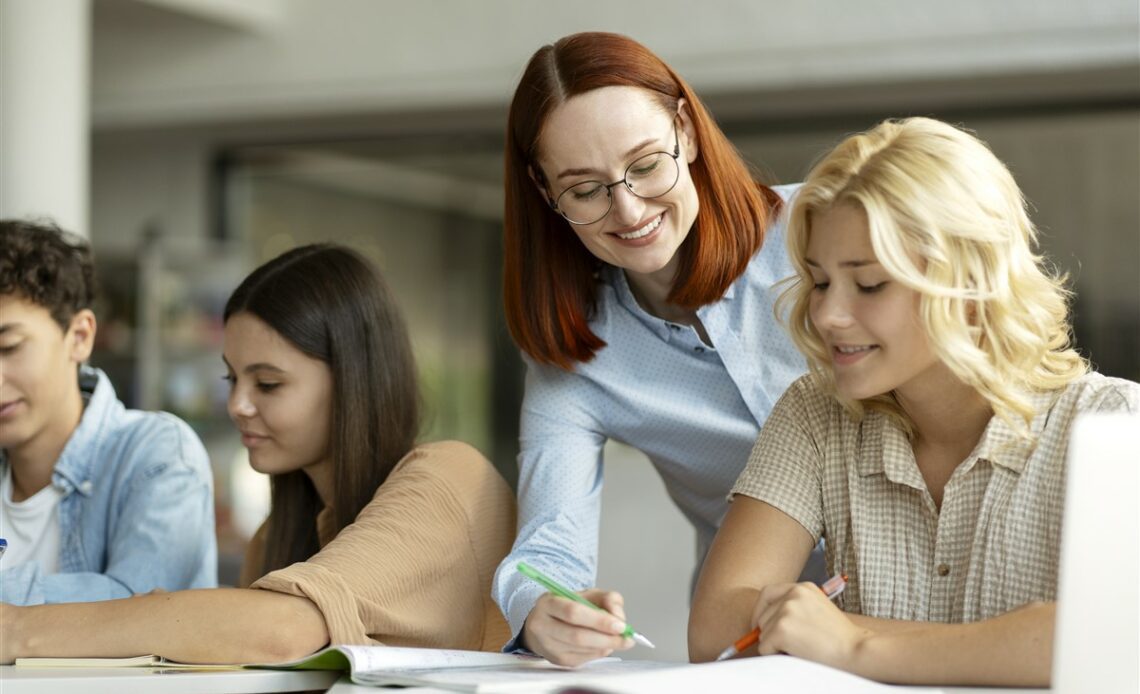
471	671
135	661
350	659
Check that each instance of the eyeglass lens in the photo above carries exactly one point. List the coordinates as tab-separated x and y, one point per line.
648	177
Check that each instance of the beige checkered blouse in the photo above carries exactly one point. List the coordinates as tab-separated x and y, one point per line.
994	545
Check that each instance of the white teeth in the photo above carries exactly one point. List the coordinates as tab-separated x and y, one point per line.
853	350
643	231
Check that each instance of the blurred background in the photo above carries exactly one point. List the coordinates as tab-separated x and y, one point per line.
192	140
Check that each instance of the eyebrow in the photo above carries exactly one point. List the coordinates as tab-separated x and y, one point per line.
260	366
632	151
845	263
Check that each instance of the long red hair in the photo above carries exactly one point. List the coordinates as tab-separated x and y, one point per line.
548	274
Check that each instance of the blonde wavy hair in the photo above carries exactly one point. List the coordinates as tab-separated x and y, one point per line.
947	220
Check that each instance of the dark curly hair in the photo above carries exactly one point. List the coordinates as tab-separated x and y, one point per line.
47	266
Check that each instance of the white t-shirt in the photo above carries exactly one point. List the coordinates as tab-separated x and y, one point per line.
31	527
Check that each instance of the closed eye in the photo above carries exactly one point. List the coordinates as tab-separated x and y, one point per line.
587	191
873	288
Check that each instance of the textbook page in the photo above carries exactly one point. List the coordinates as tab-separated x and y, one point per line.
345	658
138	661
354	659
135	661
537	675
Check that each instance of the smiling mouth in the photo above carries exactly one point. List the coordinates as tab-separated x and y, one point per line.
646	230
848	349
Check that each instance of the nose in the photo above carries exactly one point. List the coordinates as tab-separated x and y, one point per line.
831	310
238	405
628	209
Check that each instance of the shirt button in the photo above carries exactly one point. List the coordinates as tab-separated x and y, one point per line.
673	326
943	570
699	350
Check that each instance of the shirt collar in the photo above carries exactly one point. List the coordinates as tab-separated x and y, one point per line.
75	467
1005	445
885	447
615	277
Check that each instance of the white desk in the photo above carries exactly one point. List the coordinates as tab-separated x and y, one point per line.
118	680
345	686
156	681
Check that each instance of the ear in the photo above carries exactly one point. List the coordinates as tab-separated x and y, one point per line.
539	182
688	131
81	335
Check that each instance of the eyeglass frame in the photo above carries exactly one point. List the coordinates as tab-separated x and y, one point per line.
676	155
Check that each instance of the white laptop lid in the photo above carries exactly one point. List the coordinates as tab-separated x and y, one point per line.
1097	637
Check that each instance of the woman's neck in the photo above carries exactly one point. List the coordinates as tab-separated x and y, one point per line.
946	413
652	293
34	461
320	474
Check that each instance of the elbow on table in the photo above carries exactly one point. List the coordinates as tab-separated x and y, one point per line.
702	646
283	648
297	630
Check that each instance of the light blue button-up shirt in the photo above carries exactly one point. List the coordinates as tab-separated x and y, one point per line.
137	511
694	410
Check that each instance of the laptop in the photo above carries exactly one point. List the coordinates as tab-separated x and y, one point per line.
1096	644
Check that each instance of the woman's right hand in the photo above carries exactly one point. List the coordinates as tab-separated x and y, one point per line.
568	633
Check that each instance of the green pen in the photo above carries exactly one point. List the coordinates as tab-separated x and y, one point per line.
544	581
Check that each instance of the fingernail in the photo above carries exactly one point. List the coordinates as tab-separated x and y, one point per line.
617	626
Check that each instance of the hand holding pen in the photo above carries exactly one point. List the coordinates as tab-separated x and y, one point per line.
831	588
560	630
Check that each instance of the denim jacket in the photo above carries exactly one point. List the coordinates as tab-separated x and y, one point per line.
137	511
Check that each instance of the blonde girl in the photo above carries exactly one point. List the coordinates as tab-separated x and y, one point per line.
927	443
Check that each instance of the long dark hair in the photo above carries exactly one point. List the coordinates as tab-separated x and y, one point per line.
331	303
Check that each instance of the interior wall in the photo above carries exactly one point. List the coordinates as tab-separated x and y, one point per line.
309	59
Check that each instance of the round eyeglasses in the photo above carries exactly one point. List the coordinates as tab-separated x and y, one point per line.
650	176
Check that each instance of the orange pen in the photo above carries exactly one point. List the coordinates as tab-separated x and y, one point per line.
833	587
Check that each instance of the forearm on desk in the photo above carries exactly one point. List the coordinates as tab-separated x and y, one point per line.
1014	649
225	625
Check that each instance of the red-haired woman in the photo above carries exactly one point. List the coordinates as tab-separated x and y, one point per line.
639	264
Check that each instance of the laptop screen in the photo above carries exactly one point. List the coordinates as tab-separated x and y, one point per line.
1097	637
